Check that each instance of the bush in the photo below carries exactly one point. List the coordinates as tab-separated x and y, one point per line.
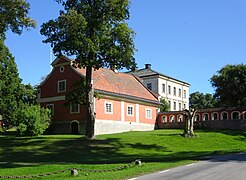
32	120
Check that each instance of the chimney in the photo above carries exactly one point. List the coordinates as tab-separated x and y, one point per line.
147	66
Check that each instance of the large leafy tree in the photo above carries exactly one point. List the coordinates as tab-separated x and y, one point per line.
9	83
230	85
95	32
14	16
202	101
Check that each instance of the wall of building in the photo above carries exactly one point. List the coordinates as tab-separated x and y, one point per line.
236	119
180	96
119	120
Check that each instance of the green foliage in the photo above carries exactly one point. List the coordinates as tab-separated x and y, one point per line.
95	32
9	84
14	16
97	35
164	105
230	85
202	101
77	94
32	120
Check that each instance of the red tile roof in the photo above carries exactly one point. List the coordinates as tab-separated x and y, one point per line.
106	80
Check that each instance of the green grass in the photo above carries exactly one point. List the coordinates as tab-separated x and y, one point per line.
158	150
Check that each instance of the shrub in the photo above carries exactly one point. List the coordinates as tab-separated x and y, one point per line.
32	120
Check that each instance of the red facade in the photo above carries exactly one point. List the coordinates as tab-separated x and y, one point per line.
123	104
214	118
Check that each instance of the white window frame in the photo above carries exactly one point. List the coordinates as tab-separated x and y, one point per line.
132	111
148	113
62	69
169	90
174	106
58	86
174	91
164	88
180	93
71	108
51	109
184	94
106	109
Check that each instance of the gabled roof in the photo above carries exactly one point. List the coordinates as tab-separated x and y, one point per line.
147	72
108	82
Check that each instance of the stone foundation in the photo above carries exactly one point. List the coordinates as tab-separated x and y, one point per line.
112	127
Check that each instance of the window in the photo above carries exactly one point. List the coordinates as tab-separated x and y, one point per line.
179	92
108	108
235	115
130	111
74	108
171	118
163	88
174	91
148	113
62	86
180	107
205	117
214	116
62	69
174	106
184	93
224	115
169	89
164	119
184	106
51	108
169	103
149	86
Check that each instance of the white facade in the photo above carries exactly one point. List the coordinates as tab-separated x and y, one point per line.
174	91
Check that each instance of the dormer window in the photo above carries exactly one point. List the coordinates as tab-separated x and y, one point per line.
61	86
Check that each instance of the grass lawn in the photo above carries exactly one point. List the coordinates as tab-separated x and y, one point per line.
158	150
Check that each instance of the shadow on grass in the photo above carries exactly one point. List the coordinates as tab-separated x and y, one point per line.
31	151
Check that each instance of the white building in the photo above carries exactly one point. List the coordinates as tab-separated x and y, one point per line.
176	92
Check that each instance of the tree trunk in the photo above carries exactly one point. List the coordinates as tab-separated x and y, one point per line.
90	124
192	122
186	123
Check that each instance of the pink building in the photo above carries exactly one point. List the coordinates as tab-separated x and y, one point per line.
124	103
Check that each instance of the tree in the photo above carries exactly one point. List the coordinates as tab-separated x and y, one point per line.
9	84
230	85
164	105
189	122
202	101
14	16
32	120
96	34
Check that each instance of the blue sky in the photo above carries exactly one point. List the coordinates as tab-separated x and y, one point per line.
187	39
